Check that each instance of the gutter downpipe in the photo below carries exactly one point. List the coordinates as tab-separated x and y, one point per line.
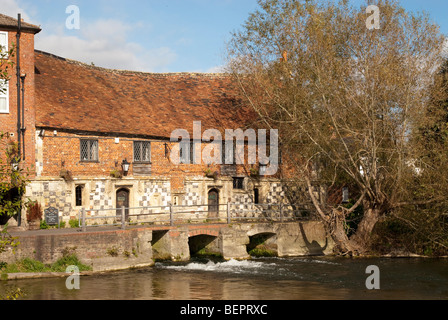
19	125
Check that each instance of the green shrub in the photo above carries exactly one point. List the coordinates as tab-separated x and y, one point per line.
113	252
31	265
70	260
44	225
73	223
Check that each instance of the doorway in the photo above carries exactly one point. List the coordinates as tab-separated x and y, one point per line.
123	201
213	203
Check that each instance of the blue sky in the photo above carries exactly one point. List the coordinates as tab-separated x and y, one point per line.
153	35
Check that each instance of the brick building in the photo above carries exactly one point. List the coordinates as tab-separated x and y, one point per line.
9	99
83	122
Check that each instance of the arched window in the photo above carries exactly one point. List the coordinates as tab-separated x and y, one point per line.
78	195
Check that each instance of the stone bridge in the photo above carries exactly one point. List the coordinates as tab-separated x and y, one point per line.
232	241
115	249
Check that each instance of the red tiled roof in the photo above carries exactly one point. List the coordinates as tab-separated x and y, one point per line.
9	23
74	96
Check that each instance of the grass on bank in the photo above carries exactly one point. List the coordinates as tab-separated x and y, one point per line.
28	265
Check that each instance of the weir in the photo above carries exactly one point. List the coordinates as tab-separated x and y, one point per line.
112	249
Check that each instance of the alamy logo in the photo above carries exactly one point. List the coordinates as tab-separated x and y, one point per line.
227	150
72	281
373	21
73	21
373	281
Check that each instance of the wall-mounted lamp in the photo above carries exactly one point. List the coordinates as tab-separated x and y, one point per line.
125	166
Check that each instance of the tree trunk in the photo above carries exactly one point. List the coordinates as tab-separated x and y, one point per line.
357	244
365	227
343	245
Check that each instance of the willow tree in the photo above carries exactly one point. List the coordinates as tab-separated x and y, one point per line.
345	92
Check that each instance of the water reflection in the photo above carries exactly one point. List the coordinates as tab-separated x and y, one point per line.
260	279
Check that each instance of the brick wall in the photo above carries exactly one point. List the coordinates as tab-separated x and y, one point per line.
61	150
165	180
8	121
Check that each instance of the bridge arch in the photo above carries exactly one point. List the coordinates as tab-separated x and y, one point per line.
262	244
214	232
204	242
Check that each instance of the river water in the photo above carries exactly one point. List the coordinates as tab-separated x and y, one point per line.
304	278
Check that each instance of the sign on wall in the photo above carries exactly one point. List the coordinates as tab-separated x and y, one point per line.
51	216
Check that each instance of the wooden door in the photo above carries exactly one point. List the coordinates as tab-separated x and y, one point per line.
213	203
123	201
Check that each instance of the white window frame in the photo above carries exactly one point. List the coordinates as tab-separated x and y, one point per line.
6	44
5	95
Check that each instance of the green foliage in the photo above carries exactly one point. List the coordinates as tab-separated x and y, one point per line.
116	174
13	294
7	241
113	252
44	225
69	260
6	64
73	223
262	252
33	266
413	231
13	181
353	219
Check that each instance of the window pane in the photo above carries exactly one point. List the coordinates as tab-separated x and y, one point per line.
146	151
137	151
3	41
3	104
238	183
184	152
84	150
94	150
78	196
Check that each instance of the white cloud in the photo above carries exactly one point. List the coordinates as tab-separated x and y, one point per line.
12	8
216	69
105	43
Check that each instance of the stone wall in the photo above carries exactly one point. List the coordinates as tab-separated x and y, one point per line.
105	250
99	195
119	249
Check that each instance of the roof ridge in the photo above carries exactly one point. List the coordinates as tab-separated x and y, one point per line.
11	22
121	71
